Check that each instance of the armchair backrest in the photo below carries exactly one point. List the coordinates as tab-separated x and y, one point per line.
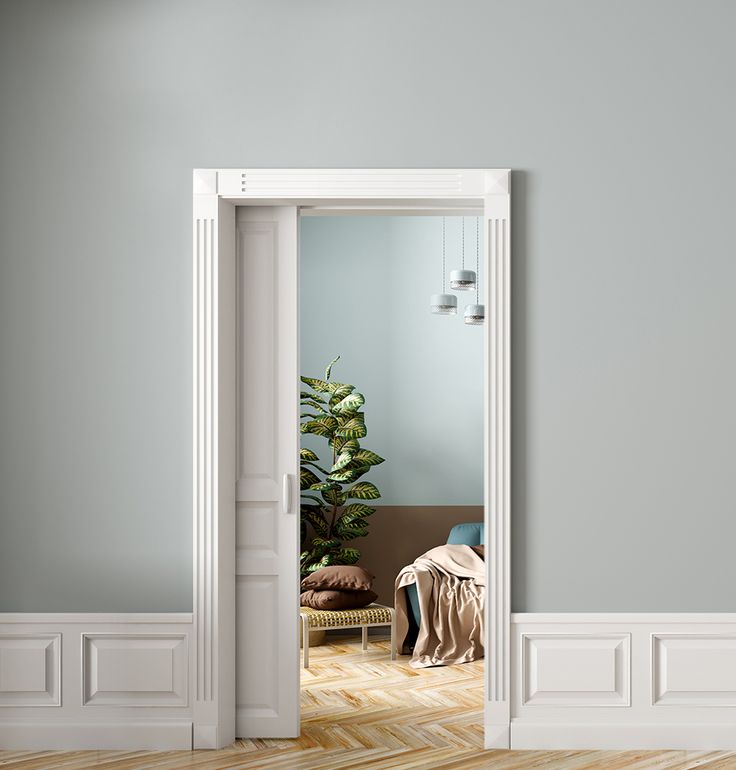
466	534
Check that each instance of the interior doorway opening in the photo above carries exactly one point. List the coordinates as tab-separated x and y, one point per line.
368	282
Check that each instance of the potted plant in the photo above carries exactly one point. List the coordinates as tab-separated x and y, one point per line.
332	507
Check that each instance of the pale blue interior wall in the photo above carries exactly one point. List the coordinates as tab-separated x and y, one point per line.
365	288
619	121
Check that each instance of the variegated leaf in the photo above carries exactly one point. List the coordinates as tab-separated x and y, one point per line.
307	478
328	370
321	486
342	460
308	454
366	457
358	509
363	490
321	426
335	496
304	395
319	385
353	428
346	475
348	405
347	556
316	518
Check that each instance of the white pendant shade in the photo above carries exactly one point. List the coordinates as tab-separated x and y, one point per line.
462	280
443	304
475	315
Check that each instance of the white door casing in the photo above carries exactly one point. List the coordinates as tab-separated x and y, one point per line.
267	465
216	194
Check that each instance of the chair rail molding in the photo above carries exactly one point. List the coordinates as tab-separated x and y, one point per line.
216	193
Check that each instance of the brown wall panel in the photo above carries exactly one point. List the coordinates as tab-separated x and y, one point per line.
400	533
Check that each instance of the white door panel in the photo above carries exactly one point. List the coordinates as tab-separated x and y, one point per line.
267	507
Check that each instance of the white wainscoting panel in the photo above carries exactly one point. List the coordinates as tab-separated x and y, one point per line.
694	669
30	669
134	669
115	680
576	669
623	681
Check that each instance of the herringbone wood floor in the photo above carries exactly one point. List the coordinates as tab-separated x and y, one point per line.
360	710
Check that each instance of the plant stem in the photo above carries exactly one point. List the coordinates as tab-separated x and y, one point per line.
334	505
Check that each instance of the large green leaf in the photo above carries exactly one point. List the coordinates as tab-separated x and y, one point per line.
320	545
348	405
358	509
353	428
363	490
335	496
313	514
322	426
341	460
319	385
343	476
308	454
322	486
328	370
307	396
347	556
342	444
349	474
349	529
340	391
366	457
307	478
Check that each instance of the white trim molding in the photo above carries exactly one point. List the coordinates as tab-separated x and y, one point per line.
623	681
95	680
216	194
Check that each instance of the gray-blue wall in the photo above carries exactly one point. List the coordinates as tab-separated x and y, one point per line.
618	116
365	289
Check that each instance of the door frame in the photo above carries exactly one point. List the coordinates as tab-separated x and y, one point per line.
217	193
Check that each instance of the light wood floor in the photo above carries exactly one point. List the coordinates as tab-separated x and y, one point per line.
360	710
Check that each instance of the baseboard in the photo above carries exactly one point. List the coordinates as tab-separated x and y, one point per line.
623	681
527	735
73	736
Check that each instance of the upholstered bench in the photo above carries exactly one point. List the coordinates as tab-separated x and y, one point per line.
363	618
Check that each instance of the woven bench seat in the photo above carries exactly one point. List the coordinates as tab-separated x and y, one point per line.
364	618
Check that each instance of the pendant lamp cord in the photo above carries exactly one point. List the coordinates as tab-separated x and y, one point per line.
443	255
463	249
477	261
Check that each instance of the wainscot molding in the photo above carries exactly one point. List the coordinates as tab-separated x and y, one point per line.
623	681
113	680
30	666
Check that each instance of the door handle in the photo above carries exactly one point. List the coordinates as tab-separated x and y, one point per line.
286	494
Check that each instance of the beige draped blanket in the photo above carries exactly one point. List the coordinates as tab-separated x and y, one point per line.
450	583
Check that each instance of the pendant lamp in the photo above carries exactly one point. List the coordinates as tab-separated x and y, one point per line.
443	304
475	315
462	280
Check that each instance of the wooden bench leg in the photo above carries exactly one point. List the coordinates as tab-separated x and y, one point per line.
365	638
394	651
305	639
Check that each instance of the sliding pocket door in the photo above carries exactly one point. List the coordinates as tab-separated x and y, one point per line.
267	466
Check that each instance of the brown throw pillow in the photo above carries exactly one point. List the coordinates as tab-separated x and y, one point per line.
480	550
342	577
336	600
